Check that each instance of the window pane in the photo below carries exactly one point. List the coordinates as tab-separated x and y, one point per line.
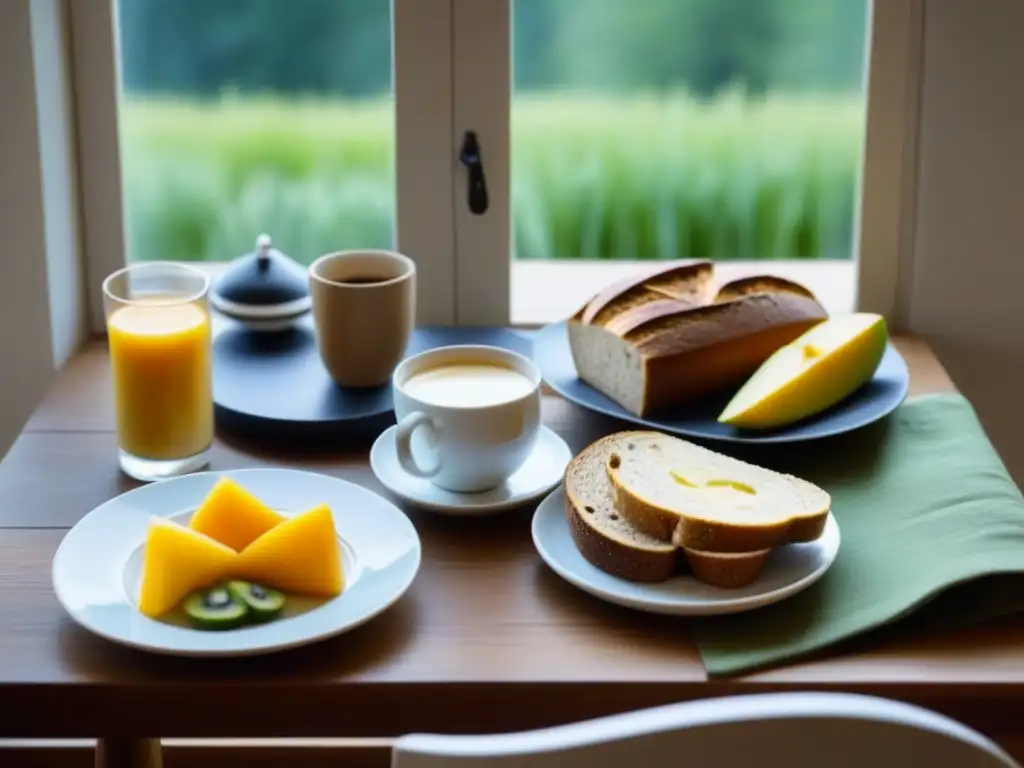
246	116
669	129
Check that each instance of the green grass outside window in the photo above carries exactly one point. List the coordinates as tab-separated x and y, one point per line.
637	178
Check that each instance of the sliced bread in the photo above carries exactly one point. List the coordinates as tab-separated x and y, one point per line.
678	492
610	542
726	570
604	537
660	339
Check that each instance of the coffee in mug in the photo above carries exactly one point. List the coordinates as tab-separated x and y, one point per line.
468	415
362	280
364	308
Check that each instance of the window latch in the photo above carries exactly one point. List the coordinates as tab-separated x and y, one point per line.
470	157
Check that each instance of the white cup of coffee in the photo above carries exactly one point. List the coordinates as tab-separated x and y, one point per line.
468	415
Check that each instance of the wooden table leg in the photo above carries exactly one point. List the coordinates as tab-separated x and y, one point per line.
128	753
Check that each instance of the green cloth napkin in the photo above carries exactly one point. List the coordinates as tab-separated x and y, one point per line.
932	533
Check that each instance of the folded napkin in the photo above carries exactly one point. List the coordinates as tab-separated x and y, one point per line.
932	537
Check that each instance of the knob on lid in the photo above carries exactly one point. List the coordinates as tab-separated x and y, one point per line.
264	284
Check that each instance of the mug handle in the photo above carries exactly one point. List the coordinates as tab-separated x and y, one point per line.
403	443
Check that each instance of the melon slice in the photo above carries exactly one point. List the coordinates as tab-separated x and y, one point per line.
300	555
821	368
177	561
233	516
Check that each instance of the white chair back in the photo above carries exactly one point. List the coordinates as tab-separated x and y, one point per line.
787	730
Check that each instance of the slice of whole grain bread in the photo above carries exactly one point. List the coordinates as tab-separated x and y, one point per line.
695	498
602	535
609	541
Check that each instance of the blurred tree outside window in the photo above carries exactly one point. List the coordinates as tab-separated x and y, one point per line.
661	129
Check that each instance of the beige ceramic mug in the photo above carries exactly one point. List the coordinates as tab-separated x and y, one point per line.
364	307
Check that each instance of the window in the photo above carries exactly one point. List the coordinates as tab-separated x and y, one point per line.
238	117
610	135
244	117
682	129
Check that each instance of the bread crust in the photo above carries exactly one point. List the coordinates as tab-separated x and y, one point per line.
717	323
621	325
699	274
614	557
727	573
745	286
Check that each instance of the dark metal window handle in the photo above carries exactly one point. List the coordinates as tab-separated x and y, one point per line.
470	157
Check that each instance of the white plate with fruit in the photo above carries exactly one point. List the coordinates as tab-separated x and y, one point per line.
236	563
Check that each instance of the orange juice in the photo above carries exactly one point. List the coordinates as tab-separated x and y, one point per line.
163	388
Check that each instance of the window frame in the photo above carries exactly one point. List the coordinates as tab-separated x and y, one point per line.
424	173
441	88
885	222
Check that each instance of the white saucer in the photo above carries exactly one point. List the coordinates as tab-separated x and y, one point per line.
98	564
541	472
789	570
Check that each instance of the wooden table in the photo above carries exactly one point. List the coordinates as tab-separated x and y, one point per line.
487	639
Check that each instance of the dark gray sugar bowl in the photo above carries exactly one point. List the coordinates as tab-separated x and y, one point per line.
265	290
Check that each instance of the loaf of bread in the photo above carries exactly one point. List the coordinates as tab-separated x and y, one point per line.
608	540
661	339
676	492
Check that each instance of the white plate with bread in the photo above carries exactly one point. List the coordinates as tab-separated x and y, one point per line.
671	349
652	522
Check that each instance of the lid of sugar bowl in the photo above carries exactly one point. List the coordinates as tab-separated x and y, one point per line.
264	289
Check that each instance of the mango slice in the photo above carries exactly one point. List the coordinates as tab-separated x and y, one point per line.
301	555
233	516
177	561
821	368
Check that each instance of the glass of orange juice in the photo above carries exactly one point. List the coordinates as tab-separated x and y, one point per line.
158	328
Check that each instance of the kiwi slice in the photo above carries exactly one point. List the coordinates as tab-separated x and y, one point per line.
264	604
216	608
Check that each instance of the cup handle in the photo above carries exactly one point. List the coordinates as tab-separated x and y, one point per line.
403	443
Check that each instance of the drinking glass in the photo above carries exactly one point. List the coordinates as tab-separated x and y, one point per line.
158	328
